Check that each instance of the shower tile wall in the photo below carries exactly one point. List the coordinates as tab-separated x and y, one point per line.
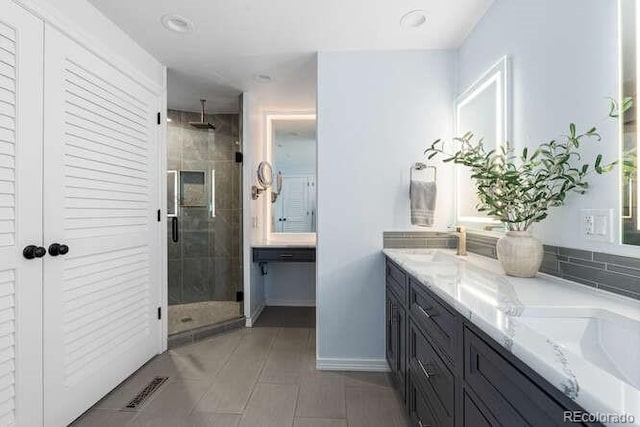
206	263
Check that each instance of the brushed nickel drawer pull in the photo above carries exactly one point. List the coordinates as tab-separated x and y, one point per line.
424	370
423	311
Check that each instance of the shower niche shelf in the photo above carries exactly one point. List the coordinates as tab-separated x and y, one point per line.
193	189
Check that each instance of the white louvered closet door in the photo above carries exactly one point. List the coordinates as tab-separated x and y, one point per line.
101	196
295	205
20	216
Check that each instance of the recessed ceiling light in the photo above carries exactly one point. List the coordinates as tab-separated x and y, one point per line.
262	78
177	24
413	19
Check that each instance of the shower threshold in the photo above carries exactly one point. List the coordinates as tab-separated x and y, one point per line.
186	317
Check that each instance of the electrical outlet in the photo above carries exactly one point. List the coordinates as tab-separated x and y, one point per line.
588	224
597	224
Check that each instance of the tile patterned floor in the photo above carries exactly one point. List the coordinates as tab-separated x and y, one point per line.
260	377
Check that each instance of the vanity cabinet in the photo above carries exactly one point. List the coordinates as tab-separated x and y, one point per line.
452	374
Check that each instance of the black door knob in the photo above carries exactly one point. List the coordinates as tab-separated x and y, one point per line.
56	249
32	251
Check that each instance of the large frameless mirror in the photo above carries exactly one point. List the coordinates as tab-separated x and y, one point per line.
482	110
292	201
630	209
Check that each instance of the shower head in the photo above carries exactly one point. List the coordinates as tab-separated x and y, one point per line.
202	124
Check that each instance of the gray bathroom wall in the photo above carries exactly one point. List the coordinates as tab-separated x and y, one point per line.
206	263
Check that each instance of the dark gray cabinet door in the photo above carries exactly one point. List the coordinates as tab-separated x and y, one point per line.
391	335
396	341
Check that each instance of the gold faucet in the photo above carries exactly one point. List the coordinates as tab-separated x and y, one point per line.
461	236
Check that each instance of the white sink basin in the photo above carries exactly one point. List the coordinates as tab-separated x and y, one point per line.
431	257
606	339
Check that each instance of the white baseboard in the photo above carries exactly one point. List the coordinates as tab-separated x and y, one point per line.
251	320
368	365
291	303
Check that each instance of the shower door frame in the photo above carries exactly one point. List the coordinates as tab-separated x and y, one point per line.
163	216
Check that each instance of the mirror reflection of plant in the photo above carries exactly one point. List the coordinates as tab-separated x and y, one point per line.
629	162
629	166
519	189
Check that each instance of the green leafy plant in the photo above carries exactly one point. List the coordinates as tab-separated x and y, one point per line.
519	189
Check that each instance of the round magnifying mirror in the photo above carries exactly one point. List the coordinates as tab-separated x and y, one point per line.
265	174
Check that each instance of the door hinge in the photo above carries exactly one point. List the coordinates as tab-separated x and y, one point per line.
159	118
239	157
159	313
159	215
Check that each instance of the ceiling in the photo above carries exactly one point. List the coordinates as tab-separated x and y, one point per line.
235	40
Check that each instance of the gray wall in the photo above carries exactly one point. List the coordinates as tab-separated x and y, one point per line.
206	263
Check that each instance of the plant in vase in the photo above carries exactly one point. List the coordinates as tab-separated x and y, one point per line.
520	189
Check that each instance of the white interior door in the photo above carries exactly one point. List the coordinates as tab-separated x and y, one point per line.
20	216
101	191
296	215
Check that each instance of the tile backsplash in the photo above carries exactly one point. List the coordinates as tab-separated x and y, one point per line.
418	239
612	273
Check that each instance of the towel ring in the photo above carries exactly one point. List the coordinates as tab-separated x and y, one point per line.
423	167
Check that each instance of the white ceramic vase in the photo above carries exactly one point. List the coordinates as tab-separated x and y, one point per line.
520	253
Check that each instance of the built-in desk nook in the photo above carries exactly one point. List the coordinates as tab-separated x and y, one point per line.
284	253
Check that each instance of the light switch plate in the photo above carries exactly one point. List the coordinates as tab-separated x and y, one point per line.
597	224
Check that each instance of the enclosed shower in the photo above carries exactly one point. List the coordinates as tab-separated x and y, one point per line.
204	200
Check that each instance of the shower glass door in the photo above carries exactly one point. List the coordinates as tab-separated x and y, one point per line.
204	205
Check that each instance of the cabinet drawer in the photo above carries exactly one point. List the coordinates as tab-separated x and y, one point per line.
432	374
284	255
510	397
474	415
420	413
433	319
397	281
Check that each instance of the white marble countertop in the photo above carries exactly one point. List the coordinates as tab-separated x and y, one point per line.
284	245
584	341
